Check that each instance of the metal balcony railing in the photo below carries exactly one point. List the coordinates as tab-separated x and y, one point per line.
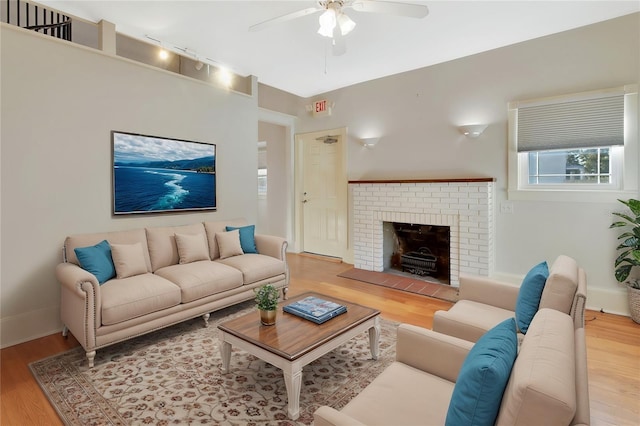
37	18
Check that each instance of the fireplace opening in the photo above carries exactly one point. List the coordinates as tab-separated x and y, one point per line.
420	251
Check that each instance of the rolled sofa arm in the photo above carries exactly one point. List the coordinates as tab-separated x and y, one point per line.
327	416
430	351
488	291
271	246
80	303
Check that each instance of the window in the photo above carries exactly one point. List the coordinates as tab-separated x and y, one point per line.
262	182
579	143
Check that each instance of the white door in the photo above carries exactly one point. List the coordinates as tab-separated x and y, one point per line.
324	193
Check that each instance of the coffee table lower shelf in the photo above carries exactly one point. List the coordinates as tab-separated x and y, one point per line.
292	368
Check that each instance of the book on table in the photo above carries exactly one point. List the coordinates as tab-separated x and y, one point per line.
315	309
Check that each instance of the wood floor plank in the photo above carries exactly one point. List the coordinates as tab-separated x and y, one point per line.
613	348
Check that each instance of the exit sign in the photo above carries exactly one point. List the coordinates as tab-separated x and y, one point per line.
321	107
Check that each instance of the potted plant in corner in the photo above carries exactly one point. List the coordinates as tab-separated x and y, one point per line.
267	302
629	254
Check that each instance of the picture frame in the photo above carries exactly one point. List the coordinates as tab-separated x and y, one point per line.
153	174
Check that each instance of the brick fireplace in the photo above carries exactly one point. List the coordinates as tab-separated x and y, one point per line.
463	205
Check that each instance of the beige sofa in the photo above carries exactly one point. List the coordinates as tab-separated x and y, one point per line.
547	384
485	302
167	284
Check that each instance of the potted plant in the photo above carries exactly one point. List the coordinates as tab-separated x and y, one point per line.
267	302
629	256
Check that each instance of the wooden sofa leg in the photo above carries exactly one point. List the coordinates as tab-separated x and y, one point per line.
205	317
65	331
91	357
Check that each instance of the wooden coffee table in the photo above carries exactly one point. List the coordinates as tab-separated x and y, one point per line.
294	342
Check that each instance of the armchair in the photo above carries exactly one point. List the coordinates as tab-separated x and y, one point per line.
485	302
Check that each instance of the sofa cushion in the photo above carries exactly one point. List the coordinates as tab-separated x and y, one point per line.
561	285
542	383
192	248
529	295
229	244
470	320
132	297
483	377
128	260
212	228
399	396
201	279
163	250
256	267
97	260
247	237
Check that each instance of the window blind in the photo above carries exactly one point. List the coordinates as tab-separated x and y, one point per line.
573	124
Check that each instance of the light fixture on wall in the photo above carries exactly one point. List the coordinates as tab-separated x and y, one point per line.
369	142
472	130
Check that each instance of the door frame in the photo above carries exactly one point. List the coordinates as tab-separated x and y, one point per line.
343	193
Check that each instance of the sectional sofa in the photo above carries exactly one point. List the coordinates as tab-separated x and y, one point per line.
161	276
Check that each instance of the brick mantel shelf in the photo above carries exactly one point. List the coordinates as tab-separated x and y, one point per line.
458	180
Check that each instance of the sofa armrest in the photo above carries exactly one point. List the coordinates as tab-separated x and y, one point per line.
430	351
81	302
271	246
327	416
488	291
72	277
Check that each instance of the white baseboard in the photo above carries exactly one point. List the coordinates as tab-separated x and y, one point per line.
29	326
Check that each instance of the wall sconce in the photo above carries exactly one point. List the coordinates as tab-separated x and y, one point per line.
369	142
472	130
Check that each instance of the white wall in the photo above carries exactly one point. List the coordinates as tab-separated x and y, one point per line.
416	114
59	102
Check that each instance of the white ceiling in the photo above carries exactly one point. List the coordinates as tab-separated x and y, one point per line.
292	57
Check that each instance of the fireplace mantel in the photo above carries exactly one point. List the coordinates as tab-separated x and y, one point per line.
447	180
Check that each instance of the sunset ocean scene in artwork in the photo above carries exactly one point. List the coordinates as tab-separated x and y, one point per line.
152	174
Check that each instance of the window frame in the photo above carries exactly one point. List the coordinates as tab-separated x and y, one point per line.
625	158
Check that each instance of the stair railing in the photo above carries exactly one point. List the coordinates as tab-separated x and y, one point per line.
37	18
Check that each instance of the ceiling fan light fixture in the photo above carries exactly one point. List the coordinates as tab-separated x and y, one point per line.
345	23
327	23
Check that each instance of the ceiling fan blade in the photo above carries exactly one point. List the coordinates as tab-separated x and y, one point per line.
391	8
289	16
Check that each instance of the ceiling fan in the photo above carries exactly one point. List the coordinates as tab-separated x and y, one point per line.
335	24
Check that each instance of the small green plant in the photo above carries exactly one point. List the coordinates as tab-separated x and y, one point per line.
630	242
267	297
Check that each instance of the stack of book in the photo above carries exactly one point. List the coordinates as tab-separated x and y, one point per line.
315	309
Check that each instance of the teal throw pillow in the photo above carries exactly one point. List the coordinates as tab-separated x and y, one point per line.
483	377
530	294
247	238
97	260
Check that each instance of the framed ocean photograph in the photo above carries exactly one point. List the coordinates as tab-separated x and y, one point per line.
155	174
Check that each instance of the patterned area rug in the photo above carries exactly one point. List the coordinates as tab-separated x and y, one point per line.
173	376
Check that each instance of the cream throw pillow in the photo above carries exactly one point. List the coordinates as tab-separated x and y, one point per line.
128	260
192	247
229	243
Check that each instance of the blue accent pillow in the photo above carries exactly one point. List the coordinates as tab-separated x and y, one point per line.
247	238
530	294
483	377
97	260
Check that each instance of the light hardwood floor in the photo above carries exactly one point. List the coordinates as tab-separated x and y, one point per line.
613	345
